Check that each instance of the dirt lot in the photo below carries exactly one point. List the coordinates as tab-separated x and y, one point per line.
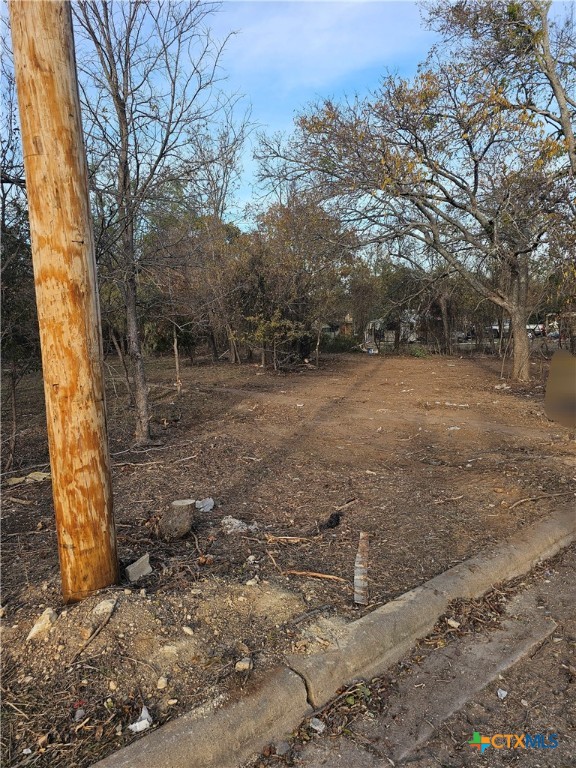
437	458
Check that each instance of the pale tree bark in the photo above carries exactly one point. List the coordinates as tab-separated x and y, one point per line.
67	299
176	358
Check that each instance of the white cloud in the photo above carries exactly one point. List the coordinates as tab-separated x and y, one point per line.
317	44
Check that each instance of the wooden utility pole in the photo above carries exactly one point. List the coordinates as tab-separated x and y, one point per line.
66	293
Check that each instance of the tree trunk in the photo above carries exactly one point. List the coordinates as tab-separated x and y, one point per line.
65	280
445	325
520	346
232	346
14	414
213	345
142	430
397	332
518	318
176	360
122	356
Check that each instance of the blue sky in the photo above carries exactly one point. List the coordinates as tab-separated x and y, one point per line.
287	54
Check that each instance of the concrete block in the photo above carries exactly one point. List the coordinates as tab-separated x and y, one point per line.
139	568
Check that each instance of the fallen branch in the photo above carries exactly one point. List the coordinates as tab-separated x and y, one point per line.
17	709
311	612
270	539
94	634
138	464
544	496
452	498
314	575
186	458
271	556
346	504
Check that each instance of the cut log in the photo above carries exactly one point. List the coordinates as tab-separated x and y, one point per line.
177	521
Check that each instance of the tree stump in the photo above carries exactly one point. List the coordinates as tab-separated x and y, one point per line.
176	522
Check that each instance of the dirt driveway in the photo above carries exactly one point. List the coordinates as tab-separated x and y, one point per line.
435	458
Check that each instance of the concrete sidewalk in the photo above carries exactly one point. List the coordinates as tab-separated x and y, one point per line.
367	647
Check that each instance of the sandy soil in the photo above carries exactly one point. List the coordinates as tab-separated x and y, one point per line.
436	458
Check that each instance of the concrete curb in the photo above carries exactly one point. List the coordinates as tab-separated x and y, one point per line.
374	642
225	738
221	738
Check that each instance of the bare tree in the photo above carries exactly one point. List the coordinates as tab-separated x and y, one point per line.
435	160
148	77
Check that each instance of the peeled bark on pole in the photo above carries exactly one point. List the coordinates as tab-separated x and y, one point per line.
66	293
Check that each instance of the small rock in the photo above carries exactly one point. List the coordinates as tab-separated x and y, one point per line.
27	751
139	568
282	748
244	665
113	685
79	715
232	525
104	609
524	702
162	683
2	612
43	624
127	591
27	679
317	725
502	694
171	702
188	630
453	623
242	648
251	559
252	582
205	505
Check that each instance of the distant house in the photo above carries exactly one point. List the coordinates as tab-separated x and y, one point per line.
343	327
347	326
384	331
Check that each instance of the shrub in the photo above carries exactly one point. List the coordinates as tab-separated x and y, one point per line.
339	344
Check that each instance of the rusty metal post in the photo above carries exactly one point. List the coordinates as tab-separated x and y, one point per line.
66	293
